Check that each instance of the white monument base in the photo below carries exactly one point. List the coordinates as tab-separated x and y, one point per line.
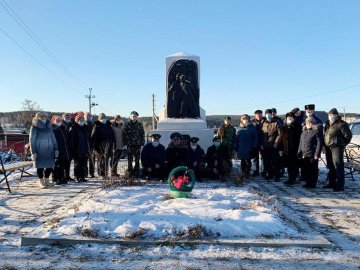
192	127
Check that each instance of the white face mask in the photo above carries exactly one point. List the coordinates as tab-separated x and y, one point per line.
289	121
309	113
245	121
193	147
118	122
58	124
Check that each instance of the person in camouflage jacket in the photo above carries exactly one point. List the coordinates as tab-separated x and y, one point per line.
134	138
227	135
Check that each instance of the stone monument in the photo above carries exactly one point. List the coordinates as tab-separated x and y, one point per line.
182	112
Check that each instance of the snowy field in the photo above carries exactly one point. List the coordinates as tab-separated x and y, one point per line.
256	210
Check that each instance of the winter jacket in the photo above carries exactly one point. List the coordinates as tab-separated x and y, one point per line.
227	135
319	125
119	134
258	125
289	138
134	134
102	137
246	141
197	155
175	156
62	140
43	144
337	134
310	143
151	155
220	154
269	132
79	141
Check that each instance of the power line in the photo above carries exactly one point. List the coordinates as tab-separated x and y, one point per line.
298	98
37	61
37	40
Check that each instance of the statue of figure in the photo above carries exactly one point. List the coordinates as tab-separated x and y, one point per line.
183	90
190	101
174	96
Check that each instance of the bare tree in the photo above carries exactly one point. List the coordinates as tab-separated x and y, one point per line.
29	105
29	108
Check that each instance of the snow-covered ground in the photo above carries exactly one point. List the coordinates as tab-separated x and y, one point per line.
258	209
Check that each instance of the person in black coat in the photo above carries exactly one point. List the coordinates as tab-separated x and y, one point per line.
217	159
66	117
288	144
195	158
258	122
80	147
89	123
103	143
153	158
64	157
310	151
175	153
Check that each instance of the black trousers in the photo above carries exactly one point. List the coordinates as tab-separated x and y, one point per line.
41	171
134	153
246	167
155	173
67	169
271	162
91	164
103	163
114	160
335	164
291	162
80	167
310	170
59	174
256	159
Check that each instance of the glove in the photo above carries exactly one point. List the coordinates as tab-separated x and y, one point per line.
281	153
56	154
33	156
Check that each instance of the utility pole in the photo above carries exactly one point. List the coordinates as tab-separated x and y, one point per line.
344	113
154	118
89	97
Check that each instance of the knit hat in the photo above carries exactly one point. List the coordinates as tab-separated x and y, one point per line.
40	114
258	111
268	111
273	110
134	113
227	117
175	135
334	111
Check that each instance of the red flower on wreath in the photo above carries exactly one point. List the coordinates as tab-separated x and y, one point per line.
180	181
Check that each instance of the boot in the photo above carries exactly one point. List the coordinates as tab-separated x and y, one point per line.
41	183
47	183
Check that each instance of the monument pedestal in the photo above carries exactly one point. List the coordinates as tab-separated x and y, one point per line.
192	127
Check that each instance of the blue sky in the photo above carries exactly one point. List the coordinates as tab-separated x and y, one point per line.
254	54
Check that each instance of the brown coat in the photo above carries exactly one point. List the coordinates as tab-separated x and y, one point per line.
269	131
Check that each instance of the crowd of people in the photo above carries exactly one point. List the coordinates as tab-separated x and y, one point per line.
295	142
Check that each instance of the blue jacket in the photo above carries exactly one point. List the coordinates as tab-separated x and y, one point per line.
151	155
43	143
246	141
310	143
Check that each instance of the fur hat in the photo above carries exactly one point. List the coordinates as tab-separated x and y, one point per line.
273	110
155	136
244	116
310	107
334	111
268	111
117	116
175	135
258	111
216	138
290	114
